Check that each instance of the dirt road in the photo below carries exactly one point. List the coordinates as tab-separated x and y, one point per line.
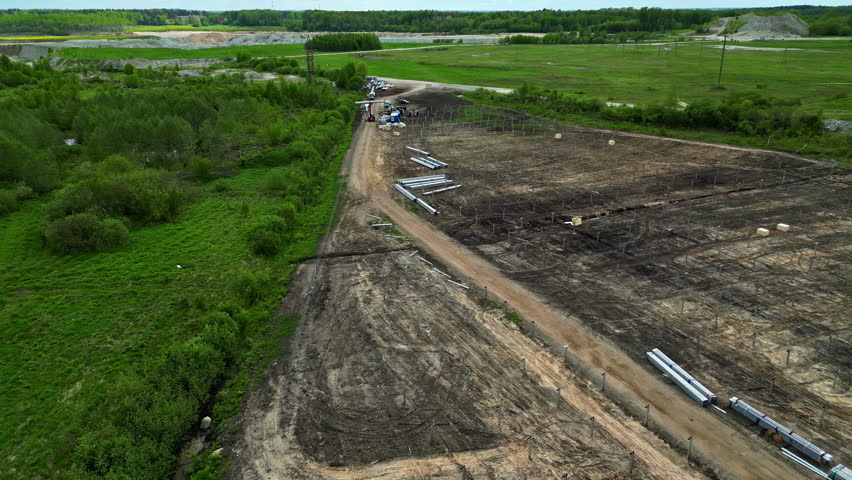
730	451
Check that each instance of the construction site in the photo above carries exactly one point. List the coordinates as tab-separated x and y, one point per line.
498	292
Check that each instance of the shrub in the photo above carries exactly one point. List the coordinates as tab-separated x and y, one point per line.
201	166
8	202
266	236
248	287
147	195
84	232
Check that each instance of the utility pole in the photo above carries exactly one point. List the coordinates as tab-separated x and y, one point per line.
309	61
722	61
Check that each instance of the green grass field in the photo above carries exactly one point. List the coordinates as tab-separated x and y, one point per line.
634	73
109	53
72	324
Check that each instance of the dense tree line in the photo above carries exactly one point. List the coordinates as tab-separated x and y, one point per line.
742	113
64	22
823	20
344	42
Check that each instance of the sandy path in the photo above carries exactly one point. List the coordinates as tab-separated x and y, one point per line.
725	447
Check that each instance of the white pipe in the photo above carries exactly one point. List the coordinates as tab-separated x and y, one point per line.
792	456
459	284
445	189
442	273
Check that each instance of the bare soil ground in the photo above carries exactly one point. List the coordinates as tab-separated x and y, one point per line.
667	254
397	373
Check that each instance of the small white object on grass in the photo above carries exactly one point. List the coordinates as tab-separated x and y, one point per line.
178	266
205	423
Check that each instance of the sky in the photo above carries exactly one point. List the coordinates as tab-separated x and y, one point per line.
395	5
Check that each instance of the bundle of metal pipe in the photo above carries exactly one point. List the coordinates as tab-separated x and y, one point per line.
840	473
686	376
425	163
432	161
690	390
406	181
442	164
434	183
760	419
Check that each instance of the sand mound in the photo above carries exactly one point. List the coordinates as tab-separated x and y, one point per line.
756	26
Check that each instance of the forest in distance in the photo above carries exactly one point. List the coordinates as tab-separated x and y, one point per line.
822	20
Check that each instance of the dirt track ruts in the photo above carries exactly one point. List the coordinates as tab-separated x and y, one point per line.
726	448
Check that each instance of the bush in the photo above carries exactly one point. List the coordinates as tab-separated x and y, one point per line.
201	166
8	202
266	236
248	287
521	40
84	232
146	195
344	42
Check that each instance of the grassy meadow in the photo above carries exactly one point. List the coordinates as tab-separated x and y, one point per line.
635	73
73	324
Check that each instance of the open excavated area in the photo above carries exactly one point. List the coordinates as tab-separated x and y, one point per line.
667	254
398	373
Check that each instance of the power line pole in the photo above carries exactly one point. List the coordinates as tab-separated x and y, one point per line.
309	60
722	61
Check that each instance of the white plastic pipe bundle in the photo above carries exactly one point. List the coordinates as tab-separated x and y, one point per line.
686	376
690	391
424	163
418	151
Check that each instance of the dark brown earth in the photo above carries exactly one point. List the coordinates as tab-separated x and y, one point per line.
397	373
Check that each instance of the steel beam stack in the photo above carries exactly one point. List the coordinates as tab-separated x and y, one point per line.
840	473
425	163
690	390
760	419
686	376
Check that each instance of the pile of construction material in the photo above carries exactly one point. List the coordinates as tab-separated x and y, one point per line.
426	159
695	390
440	183
760	419
405	185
